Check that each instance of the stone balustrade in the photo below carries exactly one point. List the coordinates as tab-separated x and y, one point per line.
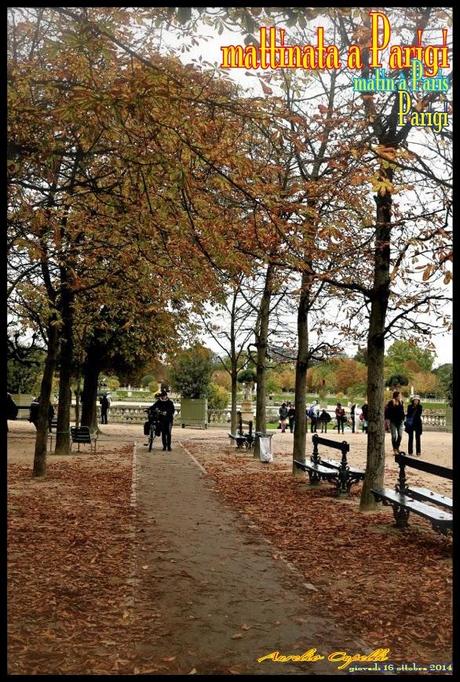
433	420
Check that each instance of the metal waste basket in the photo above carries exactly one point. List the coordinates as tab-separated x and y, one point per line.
264	441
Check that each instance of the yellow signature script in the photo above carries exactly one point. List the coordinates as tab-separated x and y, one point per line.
341	657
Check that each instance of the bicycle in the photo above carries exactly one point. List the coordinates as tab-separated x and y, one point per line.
153	417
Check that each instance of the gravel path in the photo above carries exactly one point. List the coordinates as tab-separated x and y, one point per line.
224	600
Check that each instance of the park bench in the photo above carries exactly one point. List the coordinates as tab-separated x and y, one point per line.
82	435
243	439
406	499
337	472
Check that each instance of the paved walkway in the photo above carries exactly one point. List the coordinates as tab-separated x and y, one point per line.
221	599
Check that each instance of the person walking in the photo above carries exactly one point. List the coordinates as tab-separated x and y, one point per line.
283	413
104	402
341	418
394	412
166	410
324	419
291	417
352	417
413	425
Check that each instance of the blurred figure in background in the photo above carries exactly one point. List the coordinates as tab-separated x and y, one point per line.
413	425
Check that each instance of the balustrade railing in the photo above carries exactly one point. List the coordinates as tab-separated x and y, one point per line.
433	420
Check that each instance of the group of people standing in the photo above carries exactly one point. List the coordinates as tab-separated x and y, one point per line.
286	412
411	421
396	419
317	417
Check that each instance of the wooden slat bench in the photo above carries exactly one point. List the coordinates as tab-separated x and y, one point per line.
316	472
337	472
425	495
406	499
82	435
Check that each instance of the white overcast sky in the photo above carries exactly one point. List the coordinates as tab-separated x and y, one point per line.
209	49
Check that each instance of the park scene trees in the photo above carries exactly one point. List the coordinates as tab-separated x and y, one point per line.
250	241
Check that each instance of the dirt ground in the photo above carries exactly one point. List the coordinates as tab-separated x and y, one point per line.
209	590
436	447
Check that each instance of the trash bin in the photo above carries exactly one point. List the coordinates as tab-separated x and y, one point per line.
265	446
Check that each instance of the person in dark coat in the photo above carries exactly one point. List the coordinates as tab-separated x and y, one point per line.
414	425
283	414
394	412
104	401
352	417
291	417
324	419
166	410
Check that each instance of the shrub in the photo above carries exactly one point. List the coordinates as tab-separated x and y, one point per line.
217	397
247	376
191	372
147	380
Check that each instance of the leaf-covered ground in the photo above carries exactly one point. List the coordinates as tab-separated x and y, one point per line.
69	566
76	606
392	588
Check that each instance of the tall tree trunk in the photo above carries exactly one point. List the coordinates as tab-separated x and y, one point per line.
67	345
234	362
91	372
234	379
261	344
41	439
301	373
376	352
65	372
